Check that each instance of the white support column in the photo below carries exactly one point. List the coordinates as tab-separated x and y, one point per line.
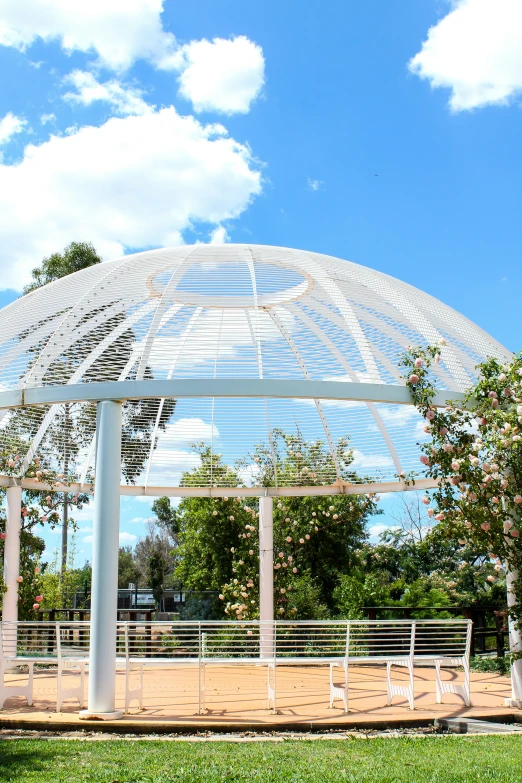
266	574
515	645
104	591
12	553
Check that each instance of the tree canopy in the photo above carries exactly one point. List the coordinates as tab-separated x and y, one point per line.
76	256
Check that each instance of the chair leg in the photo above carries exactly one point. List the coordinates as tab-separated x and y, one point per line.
467	690
6	691
335	691
438	683
388	683
412	687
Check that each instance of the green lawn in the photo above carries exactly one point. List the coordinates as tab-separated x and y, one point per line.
404	760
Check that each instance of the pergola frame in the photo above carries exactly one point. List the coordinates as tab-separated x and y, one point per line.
106	517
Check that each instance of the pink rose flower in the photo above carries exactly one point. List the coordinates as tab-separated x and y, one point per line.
414	379
419	362
485	526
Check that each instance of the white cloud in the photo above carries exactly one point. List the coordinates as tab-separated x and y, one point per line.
188	430
370	461
375	530
476	51
314	184
9	126
123	99
134	182
221	75
137	520
45	118
219	236
119	32
127	538
85	529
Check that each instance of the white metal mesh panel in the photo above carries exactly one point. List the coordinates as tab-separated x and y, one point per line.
236	312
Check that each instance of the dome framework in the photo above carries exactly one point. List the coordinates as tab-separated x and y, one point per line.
146	374
232	348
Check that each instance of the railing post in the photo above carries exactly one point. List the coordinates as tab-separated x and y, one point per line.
104	591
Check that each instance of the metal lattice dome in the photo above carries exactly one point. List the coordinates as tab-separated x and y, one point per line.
227	347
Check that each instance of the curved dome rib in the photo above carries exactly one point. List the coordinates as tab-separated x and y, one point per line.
250	340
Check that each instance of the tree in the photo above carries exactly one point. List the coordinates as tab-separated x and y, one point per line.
156	572
128	571
475	454
157	543
76	256
72	426
314	538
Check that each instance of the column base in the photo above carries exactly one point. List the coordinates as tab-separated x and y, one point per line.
92	715
517	703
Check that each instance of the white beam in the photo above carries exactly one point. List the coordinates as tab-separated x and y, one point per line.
135	490
218	387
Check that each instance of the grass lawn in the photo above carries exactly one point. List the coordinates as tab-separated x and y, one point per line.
404	760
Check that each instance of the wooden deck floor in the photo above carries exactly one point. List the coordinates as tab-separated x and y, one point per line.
237	696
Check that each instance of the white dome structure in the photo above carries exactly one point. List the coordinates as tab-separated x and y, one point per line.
228	347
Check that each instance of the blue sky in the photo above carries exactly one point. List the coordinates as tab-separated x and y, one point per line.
384	133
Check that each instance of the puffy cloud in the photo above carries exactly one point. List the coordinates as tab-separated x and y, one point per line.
188	430
476	51
370	461
221	75
375	530
131	183
9	126
124	100
127	538
219	236
117	31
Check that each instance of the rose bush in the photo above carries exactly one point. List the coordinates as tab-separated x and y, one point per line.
475	454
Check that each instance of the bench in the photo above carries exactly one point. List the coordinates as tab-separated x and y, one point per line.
336	644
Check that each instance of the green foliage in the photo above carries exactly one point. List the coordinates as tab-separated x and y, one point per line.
476	455
76	256
156	571
128	571
166	515
487	664
353	592
219	538
58	586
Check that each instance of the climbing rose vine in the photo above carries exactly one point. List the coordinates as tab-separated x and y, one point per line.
475	454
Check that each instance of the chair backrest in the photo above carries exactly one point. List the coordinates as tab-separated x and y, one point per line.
443	638
380	639
72	640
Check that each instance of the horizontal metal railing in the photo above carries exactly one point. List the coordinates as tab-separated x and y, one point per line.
214	641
